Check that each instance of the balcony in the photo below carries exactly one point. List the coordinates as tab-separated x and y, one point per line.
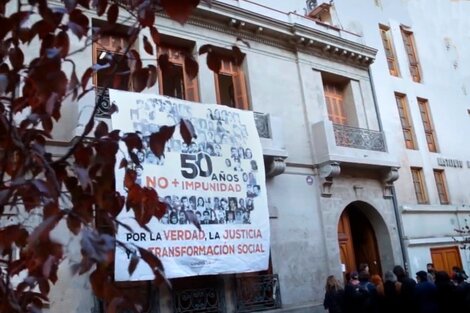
257	293
350	145
359	138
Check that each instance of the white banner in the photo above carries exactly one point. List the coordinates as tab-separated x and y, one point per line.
219	177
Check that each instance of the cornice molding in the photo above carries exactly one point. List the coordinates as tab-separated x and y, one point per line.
252	26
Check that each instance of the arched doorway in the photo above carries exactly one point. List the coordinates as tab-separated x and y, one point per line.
357	240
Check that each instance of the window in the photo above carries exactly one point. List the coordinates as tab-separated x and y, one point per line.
230	85
108	53
427	124
388	48
408	41
335	102
441	186
173	80
406	125
418	183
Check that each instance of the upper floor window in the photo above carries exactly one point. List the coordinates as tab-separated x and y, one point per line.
334	98
173	80
419	185
388	48
109	55
406	125
230	84
427	124
339	92
410	47
441	186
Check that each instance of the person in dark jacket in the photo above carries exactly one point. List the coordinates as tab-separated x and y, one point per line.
426	294
462	292
407	290
334	295
389	294
446	293
360	295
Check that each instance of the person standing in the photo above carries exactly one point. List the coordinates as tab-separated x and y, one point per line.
407	290
389	294
334	295
426	293
446	293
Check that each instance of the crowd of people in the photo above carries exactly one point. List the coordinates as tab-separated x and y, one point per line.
432	292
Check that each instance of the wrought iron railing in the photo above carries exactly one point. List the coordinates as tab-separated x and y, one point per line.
148	299
104	105
359	138
258	293
210	299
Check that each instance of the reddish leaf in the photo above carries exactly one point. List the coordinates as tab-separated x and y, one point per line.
16	57
146	16
214	61
132	141
147	46
113	12
140	79
133	60
205	49
70	4
179	10
155	35
5	26
101	7
43	286
191	66
85	3
42	231
101	130
83	177
89	126
129	178
63	43
152	70
133	264
47	124
187	131
192	218
238	55
86	77
164	62
123	163
43	187
78	23
158	140
114	305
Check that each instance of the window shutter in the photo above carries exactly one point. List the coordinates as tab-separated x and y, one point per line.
239	89
191	91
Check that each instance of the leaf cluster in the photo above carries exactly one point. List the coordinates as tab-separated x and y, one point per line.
77	189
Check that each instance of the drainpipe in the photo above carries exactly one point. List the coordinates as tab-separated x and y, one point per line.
404	252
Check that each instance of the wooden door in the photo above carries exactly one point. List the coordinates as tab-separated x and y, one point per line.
357	242
445	258
345	242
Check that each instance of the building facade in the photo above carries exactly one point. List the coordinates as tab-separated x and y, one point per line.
362	124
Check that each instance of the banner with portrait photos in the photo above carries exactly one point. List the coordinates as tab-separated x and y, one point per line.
219	178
